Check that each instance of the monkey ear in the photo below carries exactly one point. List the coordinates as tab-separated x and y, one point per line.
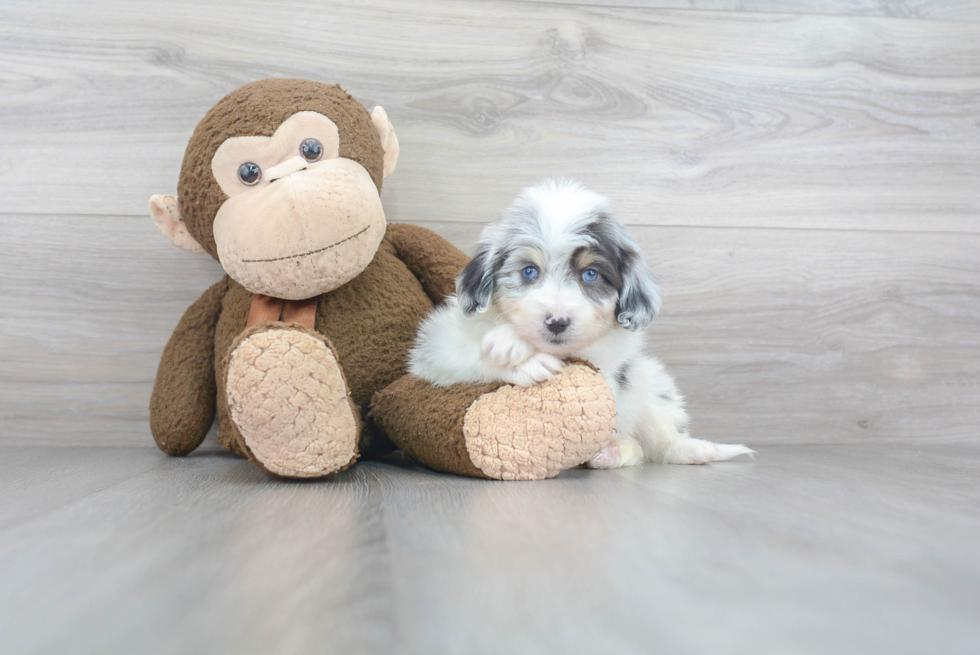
389	142
166	214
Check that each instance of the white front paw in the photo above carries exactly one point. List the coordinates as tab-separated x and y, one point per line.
536	368
503	347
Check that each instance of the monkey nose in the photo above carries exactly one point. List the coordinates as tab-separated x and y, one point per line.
556	325
287	167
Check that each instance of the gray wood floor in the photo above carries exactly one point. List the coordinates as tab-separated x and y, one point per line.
803	177
808	549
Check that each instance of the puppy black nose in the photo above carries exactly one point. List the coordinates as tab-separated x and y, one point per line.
556	325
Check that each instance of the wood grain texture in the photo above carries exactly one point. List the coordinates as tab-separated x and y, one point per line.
803	336
687	118
968	10
808	549
711	131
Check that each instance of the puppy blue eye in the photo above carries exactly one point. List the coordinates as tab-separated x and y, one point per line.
530	273
590	275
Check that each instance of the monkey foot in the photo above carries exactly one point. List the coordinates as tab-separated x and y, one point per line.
532	433
290	402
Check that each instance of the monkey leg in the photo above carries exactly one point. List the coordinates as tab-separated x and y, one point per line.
500	431
289	400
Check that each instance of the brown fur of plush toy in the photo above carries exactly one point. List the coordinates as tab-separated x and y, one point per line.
283	393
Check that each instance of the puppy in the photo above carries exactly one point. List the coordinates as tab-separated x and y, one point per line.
558	276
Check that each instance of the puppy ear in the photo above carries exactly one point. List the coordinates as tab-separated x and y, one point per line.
639	293
474	286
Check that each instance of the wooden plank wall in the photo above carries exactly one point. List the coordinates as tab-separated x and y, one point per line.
803	175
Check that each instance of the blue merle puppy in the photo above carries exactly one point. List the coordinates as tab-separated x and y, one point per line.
558	276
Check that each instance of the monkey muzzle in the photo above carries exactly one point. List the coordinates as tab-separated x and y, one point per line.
313	228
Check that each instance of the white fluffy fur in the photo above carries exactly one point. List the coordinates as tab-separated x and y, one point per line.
495	328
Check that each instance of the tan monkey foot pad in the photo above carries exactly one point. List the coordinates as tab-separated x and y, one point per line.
288	397
532	433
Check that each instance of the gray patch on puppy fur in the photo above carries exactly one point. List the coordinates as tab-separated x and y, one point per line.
606	286
639	294
622	376
474	286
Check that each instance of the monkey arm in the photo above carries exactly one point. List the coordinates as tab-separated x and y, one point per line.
497	430
430	258
183	402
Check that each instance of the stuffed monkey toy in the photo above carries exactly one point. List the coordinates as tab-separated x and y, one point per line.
301	348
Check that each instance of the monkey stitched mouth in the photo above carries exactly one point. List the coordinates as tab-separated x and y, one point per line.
305	254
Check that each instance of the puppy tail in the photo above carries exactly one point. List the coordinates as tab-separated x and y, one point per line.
698	451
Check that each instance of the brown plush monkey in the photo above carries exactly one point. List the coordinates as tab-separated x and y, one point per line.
301	348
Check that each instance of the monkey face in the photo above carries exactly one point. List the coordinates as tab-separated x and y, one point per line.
281	183
299	220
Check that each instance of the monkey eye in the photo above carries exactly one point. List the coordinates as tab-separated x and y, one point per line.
530	273
249	173
590	275
311	150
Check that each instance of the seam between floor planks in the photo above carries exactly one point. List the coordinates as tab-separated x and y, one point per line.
627	223
776	8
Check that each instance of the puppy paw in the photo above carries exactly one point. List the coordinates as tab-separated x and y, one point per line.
503	347
607	458
536	368
617	454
